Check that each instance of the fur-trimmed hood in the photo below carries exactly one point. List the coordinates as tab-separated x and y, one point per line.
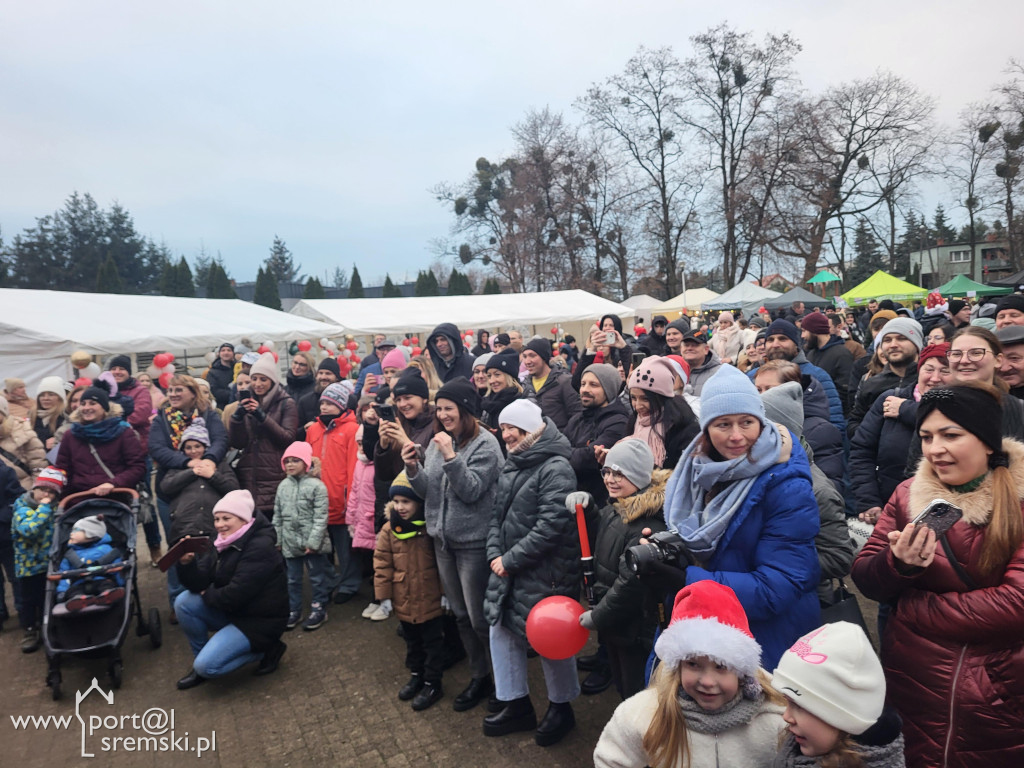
646	503
977	504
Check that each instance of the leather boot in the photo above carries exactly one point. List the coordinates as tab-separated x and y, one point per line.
412	687
517	715
430	694
557	722
597	681
478	689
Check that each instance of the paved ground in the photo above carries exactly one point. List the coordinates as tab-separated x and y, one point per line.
332	703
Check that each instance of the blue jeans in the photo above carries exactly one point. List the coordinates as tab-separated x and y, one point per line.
348	574
508	653
226	651
464	574
319	579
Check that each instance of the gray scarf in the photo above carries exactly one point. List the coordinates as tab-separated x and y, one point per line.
735	714
884	756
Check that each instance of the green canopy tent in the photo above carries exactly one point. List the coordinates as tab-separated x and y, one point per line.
883	286
961	285
823	278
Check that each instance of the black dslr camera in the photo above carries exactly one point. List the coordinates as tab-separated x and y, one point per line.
663	547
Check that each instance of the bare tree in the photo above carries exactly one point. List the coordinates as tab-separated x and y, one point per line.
1011	144
732	86
639	110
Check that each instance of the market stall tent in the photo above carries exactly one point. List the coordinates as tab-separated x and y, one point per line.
421	314
690	299
748	297
796	294
642	304
961	285
40	329
883	286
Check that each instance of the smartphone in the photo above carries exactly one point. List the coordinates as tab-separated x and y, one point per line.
940	516
609	338
385	411
638	357
244	394
421	453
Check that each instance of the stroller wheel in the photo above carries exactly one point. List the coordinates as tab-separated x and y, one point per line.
53	680
116	670
156	633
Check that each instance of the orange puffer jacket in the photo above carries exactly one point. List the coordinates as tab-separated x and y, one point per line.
335	446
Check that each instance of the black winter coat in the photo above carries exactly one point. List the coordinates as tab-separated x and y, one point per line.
167	457
193	497
263	440
869	390
387	463
494	404
824	438
605	426
837	361
308	407
626	611
300	386
879	450
219	377
557	399
460	365
247	581
654	344
531	531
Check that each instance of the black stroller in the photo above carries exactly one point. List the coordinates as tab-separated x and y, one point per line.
95	630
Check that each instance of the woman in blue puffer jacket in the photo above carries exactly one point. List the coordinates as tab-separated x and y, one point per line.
742	502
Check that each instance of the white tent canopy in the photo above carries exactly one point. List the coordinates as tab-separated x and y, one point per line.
421	314
40	329
747	296
689	299
641	303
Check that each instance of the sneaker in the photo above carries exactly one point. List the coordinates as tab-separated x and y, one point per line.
32	640
293	620
317	616
368	610
109	596
429	695
78	602
380	614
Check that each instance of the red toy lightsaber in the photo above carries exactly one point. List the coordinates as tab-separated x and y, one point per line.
587	559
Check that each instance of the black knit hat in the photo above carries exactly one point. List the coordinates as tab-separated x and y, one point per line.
955	305
410	382
506	361
463	393
99	391
1013	301
120	361
542	347
503	338
973	408
330	364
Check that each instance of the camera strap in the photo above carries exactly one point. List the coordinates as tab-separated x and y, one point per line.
964	577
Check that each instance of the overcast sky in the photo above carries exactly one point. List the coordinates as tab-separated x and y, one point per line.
225	123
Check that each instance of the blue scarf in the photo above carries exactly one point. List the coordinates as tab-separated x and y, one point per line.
99	431
701	525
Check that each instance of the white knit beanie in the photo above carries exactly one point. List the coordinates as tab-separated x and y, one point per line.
267	366
524	414
834	674
55	386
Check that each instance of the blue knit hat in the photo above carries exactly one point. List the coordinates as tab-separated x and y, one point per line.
401	486
728	392
786	328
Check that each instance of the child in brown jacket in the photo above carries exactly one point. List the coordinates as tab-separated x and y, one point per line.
405	578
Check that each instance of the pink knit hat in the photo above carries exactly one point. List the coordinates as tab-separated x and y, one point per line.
655	374
237	503
299	450
394	359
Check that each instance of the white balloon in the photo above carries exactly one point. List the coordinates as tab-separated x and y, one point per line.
169	368
268	344
332	346
210	357
346	352
323	341
154	372
91	371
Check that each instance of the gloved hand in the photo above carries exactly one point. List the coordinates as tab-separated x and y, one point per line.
445	605
260	415
587	620
578	497
664	578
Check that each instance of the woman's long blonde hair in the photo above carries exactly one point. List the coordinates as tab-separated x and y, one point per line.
429	373
510	382
666	741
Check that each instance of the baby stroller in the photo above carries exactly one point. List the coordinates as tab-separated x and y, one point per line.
96	630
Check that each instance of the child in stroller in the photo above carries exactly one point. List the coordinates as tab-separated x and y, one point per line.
88	545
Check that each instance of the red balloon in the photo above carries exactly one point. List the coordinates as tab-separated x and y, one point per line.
553	627
305	346
416	351
161	360
416	340
330	353
276	358
165	380
353	345
405	342
170	357
83	382
355	358
263	349
554	330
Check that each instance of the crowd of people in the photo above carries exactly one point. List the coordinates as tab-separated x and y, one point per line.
732	471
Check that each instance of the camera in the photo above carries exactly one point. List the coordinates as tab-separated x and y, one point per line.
663	547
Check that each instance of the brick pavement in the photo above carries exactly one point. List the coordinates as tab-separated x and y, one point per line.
332	703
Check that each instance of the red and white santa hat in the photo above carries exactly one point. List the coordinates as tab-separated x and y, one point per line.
935	304
708	620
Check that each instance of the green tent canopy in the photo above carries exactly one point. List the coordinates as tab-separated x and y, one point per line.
961	284
823	277
883	286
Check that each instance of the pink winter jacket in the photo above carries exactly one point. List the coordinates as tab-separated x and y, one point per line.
360	502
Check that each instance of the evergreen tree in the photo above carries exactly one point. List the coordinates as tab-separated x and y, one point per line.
426	284
107	278
458	284
391	291
267	294
868	257
491	286
355	285
943	231
314	289
185	285
280	263
218	286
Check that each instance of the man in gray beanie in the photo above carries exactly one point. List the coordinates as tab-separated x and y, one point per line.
600	424
899	343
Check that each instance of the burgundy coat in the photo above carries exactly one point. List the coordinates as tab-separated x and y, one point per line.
143	402
953	657
262	444
123	456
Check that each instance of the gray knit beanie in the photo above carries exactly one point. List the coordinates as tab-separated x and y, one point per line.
609	377
784	404
633	459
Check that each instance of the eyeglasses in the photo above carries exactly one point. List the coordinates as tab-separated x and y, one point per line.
974	355
611	474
